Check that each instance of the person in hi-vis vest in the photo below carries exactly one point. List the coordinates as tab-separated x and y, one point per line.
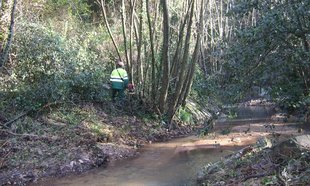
119	81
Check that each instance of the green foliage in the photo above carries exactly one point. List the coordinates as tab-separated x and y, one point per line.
70	116
271	54
27	125
52	68
148	117
79	8
269	180
232	114
184	115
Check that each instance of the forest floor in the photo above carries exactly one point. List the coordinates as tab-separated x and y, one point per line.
72	139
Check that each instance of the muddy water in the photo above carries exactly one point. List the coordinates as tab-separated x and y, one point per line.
157	164
171	163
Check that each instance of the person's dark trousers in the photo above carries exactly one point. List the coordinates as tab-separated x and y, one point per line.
117	93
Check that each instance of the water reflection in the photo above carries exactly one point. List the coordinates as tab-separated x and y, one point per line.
246	112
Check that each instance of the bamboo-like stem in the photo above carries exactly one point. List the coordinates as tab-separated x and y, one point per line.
128	62
195	57
5	54
180	82
108	28
151	35
165	58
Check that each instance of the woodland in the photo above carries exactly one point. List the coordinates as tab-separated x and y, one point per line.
187	59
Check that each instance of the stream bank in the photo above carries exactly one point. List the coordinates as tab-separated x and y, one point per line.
177	161
73	139
284	163
94	136
279	155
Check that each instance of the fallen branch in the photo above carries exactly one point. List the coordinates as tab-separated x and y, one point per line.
256	176
8	124
2	119
16	134
3	159
280	178
30	136
4	144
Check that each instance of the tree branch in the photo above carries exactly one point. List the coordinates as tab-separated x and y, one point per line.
7	124
4	55
108	27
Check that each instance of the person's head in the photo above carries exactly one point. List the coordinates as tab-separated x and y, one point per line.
119	64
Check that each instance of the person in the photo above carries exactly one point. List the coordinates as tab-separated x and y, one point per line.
119	81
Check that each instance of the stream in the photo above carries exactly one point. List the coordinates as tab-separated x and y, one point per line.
157	164
175	162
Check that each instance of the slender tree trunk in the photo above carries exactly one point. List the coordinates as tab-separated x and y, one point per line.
195	55
178	51
153	77
132	6
157	25
165	58
139	39
128	62
102	3
180	82
5	54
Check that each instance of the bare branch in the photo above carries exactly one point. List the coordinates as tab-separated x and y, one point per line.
101	2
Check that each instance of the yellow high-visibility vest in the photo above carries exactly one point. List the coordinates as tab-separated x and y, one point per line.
119	78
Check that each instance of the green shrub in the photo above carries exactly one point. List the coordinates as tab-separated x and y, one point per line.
185	116
50	68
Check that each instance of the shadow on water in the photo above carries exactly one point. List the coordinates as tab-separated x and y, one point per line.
247	112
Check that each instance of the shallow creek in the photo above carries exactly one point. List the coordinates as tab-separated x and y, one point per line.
168	163
175	162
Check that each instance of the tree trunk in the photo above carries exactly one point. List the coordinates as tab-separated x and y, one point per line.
128	62
195	55
139	39
176	58
132	7
102	3
180	83
165	58
5	53
153	78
